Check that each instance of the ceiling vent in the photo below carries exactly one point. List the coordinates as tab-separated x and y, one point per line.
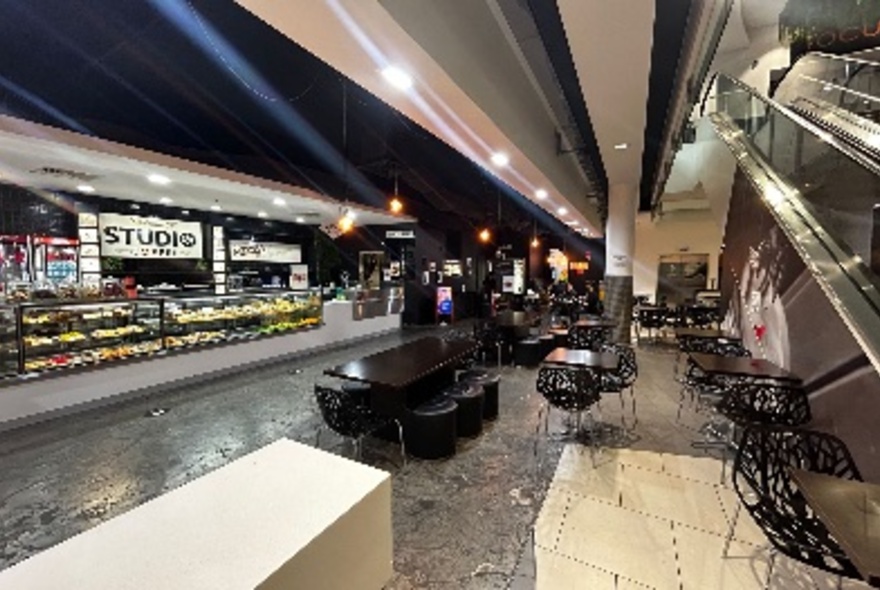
64	173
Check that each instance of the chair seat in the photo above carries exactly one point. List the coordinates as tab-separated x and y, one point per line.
436	407
431	429
469	398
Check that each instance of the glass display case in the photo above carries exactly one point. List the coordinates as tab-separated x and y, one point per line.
218	318
8	341
62	335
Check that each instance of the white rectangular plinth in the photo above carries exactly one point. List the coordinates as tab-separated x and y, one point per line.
285	516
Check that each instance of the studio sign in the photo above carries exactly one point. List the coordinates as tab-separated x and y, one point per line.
131	236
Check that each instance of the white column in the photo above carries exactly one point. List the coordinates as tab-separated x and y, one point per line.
620	245
620	232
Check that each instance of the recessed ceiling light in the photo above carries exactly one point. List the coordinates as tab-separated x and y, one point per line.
351	214
541	194
261	214
573	223
185	212
135	206
166	200
159	179
85	188
562	211
279	202
621	146
300	220
216	208
500	159
397	78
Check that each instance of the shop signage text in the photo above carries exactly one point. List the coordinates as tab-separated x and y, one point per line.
247	251
395	234
132	236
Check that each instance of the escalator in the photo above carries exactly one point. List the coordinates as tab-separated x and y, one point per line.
813	154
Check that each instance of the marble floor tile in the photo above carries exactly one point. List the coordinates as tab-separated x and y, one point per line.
745	530
702	469
577	474
701	565
684	501
558	572
617	540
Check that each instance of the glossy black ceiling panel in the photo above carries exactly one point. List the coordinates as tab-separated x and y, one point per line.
670	30
208	81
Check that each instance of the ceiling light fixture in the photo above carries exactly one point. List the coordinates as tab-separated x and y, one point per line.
85	188
279	202
261	214
350	214
396	205
159	179
166	200
300	220
621	146
485	235
535	242
541	194
397	78
216	208
500	159
135	206
562	211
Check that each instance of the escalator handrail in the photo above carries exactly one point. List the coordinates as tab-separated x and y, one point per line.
846	149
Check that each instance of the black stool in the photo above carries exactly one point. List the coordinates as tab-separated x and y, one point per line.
469	416
490	384
527	353
547	344
359	391
430	430
560	339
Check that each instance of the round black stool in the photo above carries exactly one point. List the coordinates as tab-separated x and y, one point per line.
360	391
490	384
547	344
527	353
430	429
560	339
469	416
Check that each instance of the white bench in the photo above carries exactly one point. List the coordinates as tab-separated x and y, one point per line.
286	516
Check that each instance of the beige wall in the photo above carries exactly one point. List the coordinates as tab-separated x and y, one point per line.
696	231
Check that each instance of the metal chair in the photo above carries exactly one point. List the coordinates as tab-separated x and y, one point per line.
622	379
763	483
572	390
582	338
345	416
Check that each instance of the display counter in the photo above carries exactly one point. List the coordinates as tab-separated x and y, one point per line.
95	351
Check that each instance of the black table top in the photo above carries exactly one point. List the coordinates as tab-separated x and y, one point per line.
606	361
742	367
703	333
512	319
851	512
405	364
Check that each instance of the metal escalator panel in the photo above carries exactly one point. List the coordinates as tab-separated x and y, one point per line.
824	193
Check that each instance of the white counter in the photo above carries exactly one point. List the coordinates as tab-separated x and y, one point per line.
37	399
285	516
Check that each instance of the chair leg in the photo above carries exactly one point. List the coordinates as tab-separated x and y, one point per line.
541	416
402	442
731	530
358	449
770	568
318	437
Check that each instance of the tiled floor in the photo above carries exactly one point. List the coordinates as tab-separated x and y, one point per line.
649	514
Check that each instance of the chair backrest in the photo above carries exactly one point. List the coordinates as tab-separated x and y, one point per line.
652	318
726	347
627	367
766	403
342	412
764	459
582	338
569	388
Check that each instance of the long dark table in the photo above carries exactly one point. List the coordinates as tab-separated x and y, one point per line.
756	369
851	511
393	373
587	359
706	334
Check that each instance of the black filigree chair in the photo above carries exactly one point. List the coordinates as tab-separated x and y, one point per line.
572	390
624	378
653	320
348	417
762	481
583	338
490	342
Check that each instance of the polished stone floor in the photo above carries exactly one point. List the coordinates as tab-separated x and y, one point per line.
646	512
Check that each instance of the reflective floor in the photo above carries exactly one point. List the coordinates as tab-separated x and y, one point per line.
647	511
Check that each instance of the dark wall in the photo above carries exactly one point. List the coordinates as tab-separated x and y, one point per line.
784	316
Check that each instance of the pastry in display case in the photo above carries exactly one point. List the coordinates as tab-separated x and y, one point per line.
212	318
8	342
62	335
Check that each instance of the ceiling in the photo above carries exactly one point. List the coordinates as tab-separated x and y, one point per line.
51	159
293	92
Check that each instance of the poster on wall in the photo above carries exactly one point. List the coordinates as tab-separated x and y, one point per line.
444	301
248	251
370	266
299	277
133	236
